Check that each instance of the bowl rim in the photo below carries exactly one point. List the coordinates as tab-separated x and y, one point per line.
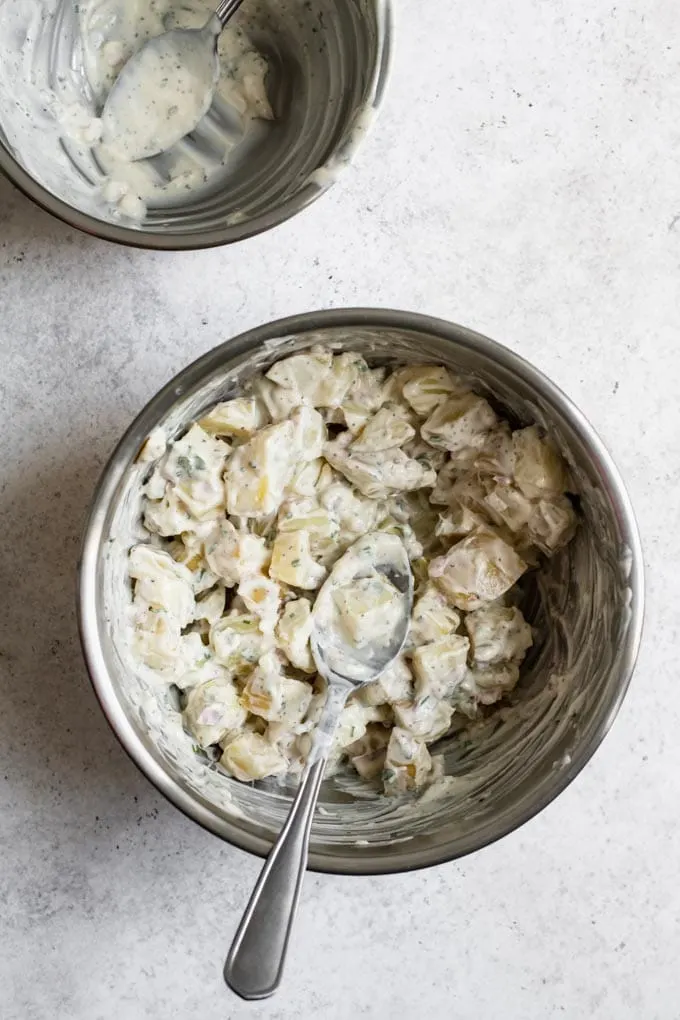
230	233
125	453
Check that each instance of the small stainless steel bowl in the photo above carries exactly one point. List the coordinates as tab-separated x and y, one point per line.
329	63
586	605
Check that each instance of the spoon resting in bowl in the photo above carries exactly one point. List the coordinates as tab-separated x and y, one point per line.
165	89
360	621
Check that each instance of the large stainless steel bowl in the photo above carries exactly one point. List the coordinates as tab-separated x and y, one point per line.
587	605
328	64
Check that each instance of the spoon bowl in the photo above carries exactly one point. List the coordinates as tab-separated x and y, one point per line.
165	89
376	566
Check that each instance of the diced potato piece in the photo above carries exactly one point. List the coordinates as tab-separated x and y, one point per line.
427	718
293	563
195	465
498	633
538	468
327	551
258	472
442	493
251	756
427	387
440	666
261	596
407	763
383	431
316	378
199	664
478	569
194	654
396	681
157	639
405	532
377	475
428	456
287	741
189	549
233	555
355	513
368	753
153	448
211	606
354	720
415	510
306	515
335	386
167	516
309	433
354	416
194	453
161	583
303	373
497	456
310	479
370	609
367	388
458	522
212	710
278	401
460	423
238	642
507	505
401	377
372	694
552	524
273	696
239	417
364	397
293	631
485	687
457	485
393	685
156	485
432	618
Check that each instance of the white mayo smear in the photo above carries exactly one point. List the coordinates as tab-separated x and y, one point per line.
162	94
58	63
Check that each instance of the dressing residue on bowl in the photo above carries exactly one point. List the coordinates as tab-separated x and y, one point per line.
58	62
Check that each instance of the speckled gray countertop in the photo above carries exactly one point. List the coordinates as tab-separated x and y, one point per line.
522	180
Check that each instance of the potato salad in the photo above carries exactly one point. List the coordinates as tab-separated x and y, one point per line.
250	508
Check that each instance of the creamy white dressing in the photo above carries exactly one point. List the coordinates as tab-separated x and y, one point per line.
58	64
162	93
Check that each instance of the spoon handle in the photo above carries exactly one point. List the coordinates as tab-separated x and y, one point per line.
254	965
225	10
255	962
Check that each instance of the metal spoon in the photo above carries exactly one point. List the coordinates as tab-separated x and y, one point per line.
255	962
165	89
